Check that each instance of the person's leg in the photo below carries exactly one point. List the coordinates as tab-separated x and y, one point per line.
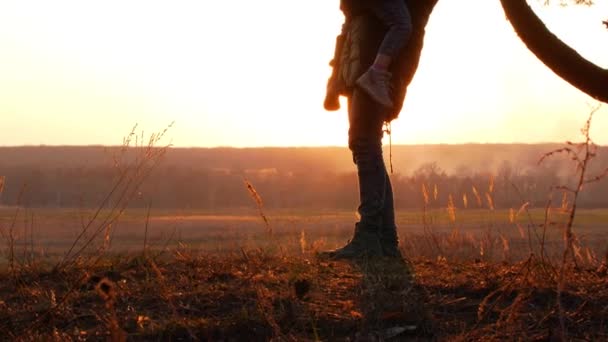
366	118
372	182
376	209
395	15
388	231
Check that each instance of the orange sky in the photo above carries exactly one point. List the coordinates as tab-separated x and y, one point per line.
252	73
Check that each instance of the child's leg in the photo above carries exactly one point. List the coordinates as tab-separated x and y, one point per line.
395	15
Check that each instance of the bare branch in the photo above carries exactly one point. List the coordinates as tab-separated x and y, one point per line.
597	178
554	53
565	188
567	150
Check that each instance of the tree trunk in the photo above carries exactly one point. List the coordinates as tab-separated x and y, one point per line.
555	54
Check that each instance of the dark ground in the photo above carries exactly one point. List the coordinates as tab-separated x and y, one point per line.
258	296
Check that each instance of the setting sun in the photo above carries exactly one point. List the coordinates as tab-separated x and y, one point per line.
253	74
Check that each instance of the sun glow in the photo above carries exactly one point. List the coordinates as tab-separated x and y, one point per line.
250	73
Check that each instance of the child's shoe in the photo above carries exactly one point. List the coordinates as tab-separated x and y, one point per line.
376	84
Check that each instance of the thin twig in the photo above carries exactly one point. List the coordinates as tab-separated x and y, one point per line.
146	229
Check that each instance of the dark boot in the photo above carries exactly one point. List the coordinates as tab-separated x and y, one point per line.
365	244
376	83
388	231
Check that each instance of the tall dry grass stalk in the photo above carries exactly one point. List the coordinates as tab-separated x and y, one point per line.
2	180
132	172
11	239
477	197
490	201
532	227
259	203
565	202
134	164
426	226
581	154
145	250
451	209
302	242
425	195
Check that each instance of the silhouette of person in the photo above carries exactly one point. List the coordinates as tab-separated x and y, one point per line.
356	51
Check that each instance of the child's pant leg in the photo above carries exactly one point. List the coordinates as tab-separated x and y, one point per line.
395	15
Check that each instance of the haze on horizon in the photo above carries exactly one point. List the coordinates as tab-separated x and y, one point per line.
253	74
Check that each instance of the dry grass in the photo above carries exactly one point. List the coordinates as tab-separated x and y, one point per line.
259	295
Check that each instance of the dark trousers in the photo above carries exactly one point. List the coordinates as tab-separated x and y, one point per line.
366	119
395	15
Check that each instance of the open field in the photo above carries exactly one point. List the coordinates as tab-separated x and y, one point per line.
227	276
504	234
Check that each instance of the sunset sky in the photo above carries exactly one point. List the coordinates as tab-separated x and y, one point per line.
252	73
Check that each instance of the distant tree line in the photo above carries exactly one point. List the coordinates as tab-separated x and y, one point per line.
201	187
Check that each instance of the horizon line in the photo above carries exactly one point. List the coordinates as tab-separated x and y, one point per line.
288	147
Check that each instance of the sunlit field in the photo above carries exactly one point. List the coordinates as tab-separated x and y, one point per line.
192	275
491	235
